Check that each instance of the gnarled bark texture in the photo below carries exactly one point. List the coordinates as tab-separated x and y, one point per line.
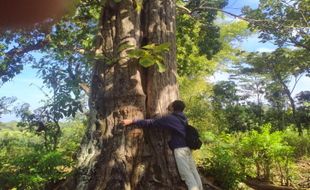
113	157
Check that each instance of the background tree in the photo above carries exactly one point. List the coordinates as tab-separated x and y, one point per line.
198	37
284	23
5	102
277	113
195	93
279	66
303	102
251	85
223	97
120	86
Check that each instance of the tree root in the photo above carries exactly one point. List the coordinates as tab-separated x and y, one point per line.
261	185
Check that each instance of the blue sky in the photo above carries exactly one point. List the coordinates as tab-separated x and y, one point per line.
235	6
26	85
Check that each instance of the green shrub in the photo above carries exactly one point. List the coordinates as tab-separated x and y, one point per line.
222	163
33	170
230	158
301	144
25	164
265	153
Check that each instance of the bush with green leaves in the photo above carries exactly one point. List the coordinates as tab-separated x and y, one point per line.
222	161
33	170
265	153
26	164
301	143
72	133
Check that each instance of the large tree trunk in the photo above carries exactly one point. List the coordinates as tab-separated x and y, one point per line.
113	157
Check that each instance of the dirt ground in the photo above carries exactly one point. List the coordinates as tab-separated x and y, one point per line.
302	180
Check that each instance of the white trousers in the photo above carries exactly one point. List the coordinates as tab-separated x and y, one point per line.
187	168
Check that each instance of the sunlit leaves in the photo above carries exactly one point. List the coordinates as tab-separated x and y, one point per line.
190	57
138	4
146	61
124	46
150	54
281	63
161	67
195	92
197	37
137	53
190	60
264	148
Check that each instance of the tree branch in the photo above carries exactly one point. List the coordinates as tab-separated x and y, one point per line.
19	51
226	12
298	44
202	8
295	82
184	9
85	87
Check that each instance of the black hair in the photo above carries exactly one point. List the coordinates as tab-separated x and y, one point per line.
178	106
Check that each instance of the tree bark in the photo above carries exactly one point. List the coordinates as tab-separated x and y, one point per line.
111	156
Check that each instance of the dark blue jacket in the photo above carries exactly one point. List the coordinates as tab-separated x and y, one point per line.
171	122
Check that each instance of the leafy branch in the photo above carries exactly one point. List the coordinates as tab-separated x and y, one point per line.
151	54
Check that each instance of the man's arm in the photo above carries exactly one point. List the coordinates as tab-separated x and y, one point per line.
126	122
145	122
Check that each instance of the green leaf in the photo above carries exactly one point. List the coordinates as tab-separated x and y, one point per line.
136	53
94	13
161	67
100	57
139	4
149	46
124	46
180	3
146	61
159	58
162	47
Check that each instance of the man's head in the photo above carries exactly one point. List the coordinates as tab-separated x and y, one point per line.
177	106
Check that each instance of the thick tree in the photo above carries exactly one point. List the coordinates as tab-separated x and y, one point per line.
111	156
